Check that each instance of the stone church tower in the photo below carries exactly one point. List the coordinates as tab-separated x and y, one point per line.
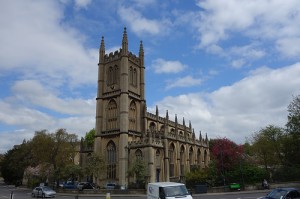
126	132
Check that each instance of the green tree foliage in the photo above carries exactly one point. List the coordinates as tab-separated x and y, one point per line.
292	139
57	149
49	151
196	176
15	162
225	158
267	146
95	166
72	172
137	170
90	137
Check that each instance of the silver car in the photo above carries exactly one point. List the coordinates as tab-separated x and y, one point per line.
283	193
45	192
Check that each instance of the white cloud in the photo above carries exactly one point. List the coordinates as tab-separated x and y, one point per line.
238	110
275	21
34	93
140	24
143	3
187	81
289	47
237	63
164	66
82	3
35	41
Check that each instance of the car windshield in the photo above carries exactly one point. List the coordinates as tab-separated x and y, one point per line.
47	189
175	191
277	194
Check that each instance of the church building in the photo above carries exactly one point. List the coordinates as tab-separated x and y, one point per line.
126	132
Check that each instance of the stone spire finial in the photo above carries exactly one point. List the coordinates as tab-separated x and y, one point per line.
124	43
141	49
156	110
102	51
200	136
141	54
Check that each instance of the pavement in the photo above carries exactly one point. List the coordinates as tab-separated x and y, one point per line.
142	195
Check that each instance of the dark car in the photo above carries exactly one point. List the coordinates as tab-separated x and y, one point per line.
110	186
283	193
86	185
43	192
69	185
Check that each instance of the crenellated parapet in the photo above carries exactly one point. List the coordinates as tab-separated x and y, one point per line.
118	54
133	58
150	139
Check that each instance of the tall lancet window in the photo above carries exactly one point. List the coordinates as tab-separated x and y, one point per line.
116	74
111	162
191	153
110	76
138	155
134	80
199	157
112	115
132	116
132	76
172	160
182	160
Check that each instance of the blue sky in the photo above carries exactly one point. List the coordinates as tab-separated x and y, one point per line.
230	67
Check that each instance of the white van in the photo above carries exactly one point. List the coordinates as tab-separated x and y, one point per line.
167	190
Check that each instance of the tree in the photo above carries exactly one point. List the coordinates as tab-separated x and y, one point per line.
90	137
293	124
226	155
138	170
15	162
292	139
58	149
95	166
267	145
196	176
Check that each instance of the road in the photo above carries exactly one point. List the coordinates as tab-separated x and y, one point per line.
23	193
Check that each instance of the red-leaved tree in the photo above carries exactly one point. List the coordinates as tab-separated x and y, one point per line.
226	154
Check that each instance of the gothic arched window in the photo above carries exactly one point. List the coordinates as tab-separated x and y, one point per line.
134	78
172	160
110	76
182	160
116	74
111	160
152	127
139	155
112	115
132	116
191	157
199	157
157	158
130	75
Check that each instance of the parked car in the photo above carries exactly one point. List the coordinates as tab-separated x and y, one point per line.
70	185
110	186
44	192
283	193
86	185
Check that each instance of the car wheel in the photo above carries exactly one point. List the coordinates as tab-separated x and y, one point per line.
33	195
43	195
